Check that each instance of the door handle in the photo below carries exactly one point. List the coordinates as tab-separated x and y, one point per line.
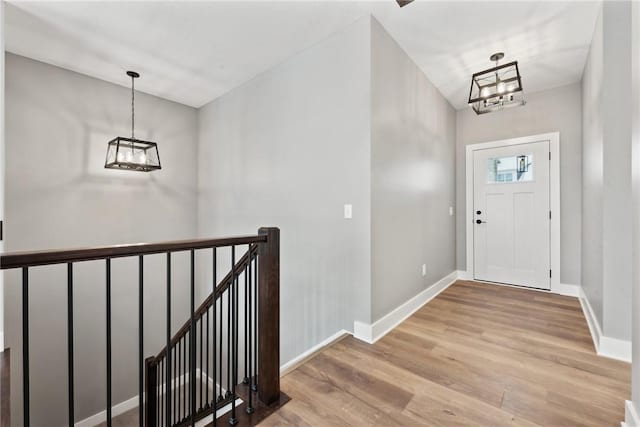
479	221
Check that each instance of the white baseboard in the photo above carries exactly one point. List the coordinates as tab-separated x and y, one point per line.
612	348
566	289
116	410
592	321
301	358
632	417
129	404
560	289
371	333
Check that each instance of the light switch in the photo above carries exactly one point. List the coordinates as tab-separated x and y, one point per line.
450	210
348	211
424	269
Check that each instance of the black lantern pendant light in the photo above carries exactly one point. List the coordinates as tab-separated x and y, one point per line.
496	88
131	153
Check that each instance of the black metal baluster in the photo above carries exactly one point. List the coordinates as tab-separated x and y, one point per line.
188	378
220	396
108	342
175	357
70	343
254	387
201	367
250	337
163	395
25	346
206	399
187	375
168	338
234	332
179	380
214	327
228	393
159	391
140	341
185	390
245	379
192	345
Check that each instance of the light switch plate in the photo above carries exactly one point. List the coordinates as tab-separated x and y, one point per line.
348	211
450	210
424	269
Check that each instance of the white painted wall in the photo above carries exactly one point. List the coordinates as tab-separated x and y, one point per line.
59	195
412	177
607	201
289	149
548	111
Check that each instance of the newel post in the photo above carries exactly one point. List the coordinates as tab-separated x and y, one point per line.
269	316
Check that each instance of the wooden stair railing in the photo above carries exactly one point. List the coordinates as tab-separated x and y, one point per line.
234	331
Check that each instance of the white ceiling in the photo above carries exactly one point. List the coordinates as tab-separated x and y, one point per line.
193	52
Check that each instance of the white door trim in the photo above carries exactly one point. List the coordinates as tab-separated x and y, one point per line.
554	197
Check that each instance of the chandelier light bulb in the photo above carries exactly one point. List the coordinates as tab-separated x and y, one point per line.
501	87
484	92
141	158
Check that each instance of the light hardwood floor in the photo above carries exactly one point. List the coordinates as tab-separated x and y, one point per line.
477	355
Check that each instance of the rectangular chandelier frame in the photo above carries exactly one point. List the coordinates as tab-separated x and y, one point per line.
132	154
496	88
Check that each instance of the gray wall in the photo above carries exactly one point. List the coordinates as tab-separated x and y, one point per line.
2	167
59	195
616	197
547	111
606	244
412	177
288	149
635	376
592	173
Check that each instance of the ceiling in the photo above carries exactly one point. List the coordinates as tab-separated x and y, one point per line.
193	52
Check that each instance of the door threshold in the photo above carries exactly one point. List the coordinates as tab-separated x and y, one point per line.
511	285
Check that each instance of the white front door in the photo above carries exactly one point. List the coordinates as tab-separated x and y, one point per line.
511	216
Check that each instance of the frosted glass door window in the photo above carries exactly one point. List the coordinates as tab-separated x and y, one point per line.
510	169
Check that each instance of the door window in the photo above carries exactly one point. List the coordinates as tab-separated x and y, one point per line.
510	169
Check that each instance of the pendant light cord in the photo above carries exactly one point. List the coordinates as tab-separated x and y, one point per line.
133	111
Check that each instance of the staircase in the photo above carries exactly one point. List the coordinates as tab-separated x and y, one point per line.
221	366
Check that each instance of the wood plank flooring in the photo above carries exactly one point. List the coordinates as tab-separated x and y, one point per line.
477	355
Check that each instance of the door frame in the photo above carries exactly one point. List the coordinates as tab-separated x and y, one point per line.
554	198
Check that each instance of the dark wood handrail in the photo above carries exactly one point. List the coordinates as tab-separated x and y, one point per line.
10	260
208	302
